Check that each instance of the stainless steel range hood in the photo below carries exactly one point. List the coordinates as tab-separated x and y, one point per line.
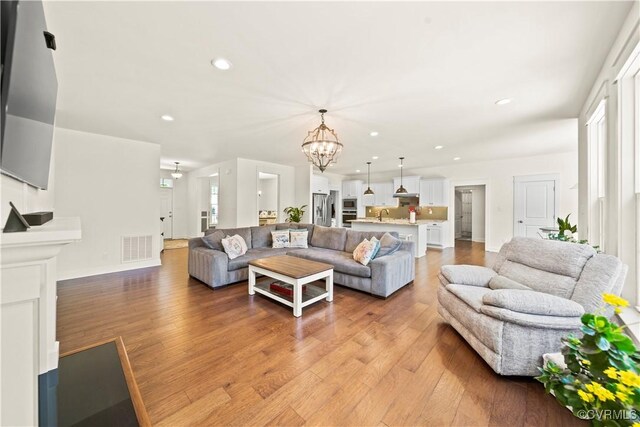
406	195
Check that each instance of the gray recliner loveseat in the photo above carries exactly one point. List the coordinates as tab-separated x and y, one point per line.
382	276
533	296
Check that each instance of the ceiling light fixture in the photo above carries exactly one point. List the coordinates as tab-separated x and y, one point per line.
375	157
456	158
221	64
176	174
368	190
321	146
438	147
503	101
357	170
401	189
374	133
167	118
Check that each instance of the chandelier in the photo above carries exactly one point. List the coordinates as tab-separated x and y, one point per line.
176	174
321	146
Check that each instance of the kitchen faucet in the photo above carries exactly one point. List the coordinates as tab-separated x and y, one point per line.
380	214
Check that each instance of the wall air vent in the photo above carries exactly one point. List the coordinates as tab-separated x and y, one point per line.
137	248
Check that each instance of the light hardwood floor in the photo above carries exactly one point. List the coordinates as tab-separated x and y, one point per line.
221	357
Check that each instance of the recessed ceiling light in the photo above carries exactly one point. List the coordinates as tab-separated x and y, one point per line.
503	101
375	157
221	64
438	147
358	170
456	158
374	133
167	118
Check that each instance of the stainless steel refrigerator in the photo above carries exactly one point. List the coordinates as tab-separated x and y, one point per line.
323	209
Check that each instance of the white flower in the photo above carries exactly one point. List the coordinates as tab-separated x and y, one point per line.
568	233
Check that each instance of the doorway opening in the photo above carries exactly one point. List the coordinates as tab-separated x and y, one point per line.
535	205
268	197
208	192
166	212
470	215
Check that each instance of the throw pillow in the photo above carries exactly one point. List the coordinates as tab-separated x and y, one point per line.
280	238
388	245
364	251
298	238
377	248
234	246
214	240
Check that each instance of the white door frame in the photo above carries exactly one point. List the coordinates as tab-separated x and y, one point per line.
555	177
487	212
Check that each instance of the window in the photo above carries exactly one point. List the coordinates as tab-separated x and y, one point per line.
597	183
214	203
166	183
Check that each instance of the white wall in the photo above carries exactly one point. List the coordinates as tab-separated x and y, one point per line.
497	176
180	203
113	185
620	203
238	199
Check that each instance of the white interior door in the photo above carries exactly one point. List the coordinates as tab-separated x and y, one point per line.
166	211
535	205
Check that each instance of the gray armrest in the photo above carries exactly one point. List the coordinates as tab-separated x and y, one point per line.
472	275
532	320
391	272
532	302
208	265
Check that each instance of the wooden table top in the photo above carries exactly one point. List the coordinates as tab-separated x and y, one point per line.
291	266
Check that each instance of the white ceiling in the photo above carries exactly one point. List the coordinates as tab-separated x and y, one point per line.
420	73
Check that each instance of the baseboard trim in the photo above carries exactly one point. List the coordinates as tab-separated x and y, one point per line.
491	249
478	240
87	272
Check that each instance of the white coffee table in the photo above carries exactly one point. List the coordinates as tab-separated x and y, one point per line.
296	272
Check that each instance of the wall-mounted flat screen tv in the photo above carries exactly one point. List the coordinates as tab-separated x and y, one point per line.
29	92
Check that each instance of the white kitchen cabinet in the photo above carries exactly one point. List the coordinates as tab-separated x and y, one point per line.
434	192
352	189
319	184
383	195
410	183
437	233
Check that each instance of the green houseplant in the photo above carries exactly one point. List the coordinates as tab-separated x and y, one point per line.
294	214
600	381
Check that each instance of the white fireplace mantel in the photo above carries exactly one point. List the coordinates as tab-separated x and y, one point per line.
28	314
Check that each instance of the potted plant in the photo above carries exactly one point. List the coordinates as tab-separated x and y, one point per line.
599	379
294	214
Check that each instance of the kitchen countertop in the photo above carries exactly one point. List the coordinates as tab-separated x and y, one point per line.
397	221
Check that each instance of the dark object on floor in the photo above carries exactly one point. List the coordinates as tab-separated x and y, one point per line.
38	218
96	387
15	221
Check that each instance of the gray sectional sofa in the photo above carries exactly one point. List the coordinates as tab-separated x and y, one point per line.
382	276
533	296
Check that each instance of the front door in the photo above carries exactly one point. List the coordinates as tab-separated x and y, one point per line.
535	205
166	211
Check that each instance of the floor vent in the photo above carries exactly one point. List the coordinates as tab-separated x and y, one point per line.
136	248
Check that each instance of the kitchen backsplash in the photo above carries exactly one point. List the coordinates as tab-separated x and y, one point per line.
402	212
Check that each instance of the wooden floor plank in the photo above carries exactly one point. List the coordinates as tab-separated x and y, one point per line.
222	357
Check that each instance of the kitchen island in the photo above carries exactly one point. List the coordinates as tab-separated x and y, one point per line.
417	232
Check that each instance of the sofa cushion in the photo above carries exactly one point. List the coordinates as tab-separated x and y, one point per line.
501	282
539	280
599	276
532	302
243	261
244	232
342	262
261	236
472	275
298	238
280	238
329	238
309	228
354	238
389	243
564	258
471	295
214	240
234	246
286	226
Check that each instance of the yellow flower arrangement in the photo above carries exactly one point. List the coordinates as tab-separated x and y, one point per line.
587	397
629	379
615	300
